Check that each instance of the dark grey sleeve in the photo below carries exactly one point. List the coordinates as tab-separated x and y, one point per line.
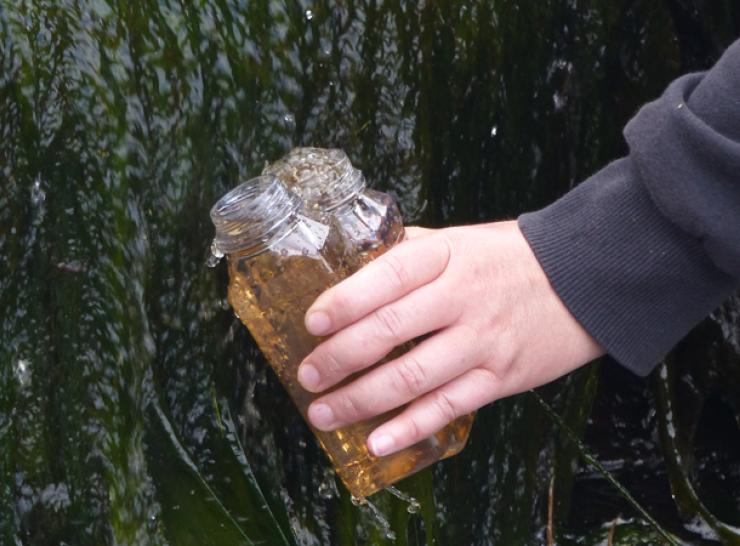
650	245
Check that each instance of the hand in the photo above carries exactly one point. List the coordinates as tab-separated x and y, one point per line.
498	329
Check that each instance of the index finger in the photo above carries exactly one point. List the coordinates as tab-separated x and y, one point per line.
405	267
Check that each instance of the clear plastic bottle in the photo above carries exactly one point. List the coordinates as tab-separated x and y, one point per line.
279	261
368	222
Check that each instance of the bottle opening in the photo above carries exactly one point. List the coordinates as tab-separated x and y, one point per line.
323	178
251	214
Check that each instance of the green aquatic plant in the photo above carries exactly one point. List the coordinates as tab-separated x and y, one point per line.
134	408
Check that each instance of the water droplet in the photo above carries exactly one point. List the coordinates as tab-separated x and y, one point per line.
289	120
215	256
494	130
284	252
309	15
37	194
326	491
304	251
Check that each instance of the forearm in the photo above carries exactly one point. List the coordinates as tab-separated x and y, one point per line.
647	247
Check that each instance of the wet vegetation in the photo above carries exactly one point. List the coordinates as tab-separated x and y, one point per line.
134	407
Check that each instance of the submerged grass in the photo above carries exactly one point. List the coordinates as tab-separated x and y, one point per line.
134	408
590	460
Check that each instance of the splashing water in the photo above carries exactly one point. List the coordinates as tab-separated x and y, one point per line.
328	486
326	491
413	508
379	520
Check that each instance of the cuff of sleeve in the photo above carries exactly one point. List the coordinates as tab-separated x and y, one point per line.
636	282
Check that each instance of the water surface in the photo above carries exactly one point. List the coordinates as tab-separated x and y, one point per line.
135	409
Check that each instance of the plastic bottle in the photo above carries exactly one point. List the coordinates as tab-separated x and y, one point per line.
280	259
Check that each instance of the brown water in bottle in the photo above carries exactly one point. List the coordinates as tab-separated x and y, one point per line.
274	278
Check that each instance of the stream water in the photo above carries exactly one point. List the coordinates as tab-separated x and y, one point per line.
134	407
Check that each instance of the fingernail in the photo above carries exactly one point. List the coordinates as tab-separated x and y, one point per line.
321	416
382	445
317	323
308	376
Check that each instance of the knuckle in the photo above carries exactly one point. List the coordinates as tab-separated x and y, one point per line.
331	365
470	335
411	377
487	377
337	300
348	407
505	352
413	430
445	247
445	407
395	271
389	323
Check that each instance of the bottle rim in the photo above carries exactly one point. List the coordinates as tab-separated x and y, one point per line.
252	214
324	178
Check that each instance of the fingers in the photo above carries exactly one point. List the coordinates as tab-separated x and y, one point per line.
430	364
436	410
405	267
371	338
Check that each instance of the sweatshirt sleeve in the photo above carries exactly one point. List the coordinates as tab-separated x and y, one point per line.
649	246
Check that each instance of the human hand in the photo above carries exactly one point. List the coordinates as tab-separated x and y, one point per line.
498	329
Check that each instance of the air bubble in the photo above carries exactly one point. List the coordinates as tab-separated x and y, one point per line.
559	101
37	193
22	372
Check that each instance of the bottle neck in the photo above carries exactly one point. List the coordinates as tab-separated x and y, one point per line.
344	193
253	215
323	178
